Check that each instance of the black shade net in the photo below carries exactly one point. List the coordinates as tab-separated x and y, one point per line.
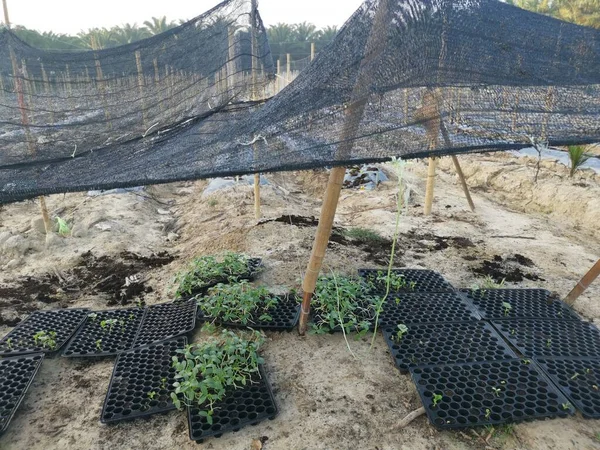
405	78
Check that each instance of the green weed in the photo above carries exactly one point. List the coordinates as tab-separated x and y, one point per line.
577	157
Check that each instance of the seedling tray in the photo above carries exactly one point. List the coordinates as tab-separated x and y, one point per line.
578	379
445	343
166	321
113	341
551	338
248	405
438	307
137	374
524	304
16	375
285	317
64	322
490	393
426	280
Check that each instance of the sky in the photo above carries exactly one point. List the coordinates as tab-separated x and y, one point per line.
72	16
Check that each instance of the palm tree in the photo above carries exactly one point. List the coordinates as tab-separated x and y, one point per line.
327	35
306	32
98	38
158	25
126	34
281	37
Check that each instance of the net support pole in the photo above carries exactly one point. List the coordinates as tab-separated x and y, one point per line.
288	69
312	51
141	83
354	114
463	182
430	185
583	284
24	118
257	209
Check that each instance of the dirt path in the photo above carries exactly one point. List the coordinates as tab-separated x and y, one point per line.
327	399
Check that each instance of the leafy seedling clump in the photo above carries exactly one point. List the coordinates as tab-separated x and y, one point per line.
45	339
206	372
208	271
343	302
238	303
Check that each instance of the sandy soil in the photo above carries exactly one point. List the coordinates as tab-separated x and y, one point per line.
327	399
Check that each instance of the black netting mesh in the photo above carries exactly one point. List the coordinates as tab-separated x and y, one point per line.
406	78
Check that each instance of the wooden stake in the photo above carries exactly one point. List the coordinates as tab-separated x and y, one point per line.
278	76
140	82
288	70
430	185
354	113
583	284
463	182
312	51
257	211
231	62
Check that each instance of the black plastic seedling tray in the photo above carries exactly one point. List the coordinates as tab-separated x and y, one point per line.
166	321
424	280
490	393
64	322
16	375
426	308
578	379
141	382
524	304
284	317
551	338
97	338
241	407
445	343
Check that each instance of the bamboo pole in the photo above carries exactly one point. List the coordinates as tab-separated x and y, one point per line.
463	182
354	113
430	185
24	118
100	81
583	284
278	75
231	63
257	211
312	51
288	69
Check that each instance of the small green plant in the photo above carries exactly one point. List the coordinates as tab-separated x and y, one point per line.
213	202
402	330
513	332
131	316
549	343
204	372
485	284
575	376
99	344
122	323
397	281
488	413
343	302
598	436
45	339
9	343
151	395
497	391
526	361
436	399
364	235
566	406
63	227
238	303
163	383
507	308
577	157
140	303
110	323
207	271
93	317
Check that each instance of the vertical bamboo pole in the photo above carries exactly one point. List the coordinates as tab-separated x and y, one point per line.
257	211
430	185
278	75
100	81
47	92
140	82
2	91
583	284
27	85
354	113
288	69
231	61
24	118
312	51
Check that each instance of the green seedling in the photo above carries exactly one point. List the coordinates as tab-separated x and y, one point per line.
151	395
206	371
549	343
526	361
513	332
497	391
238	303
131	316
575	376
594	387
110	323
93	317
396	281
63	227
436	399
402	330
9	343
140	303
488	413
163	383
99	344
412	285
45	339
566	406
122	323
507	308
588	371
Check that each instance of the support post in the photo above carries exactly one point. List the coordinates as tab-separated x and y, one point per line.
257	211
463	182
354	113
140	82
312	51
430	185
288	69
583	284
